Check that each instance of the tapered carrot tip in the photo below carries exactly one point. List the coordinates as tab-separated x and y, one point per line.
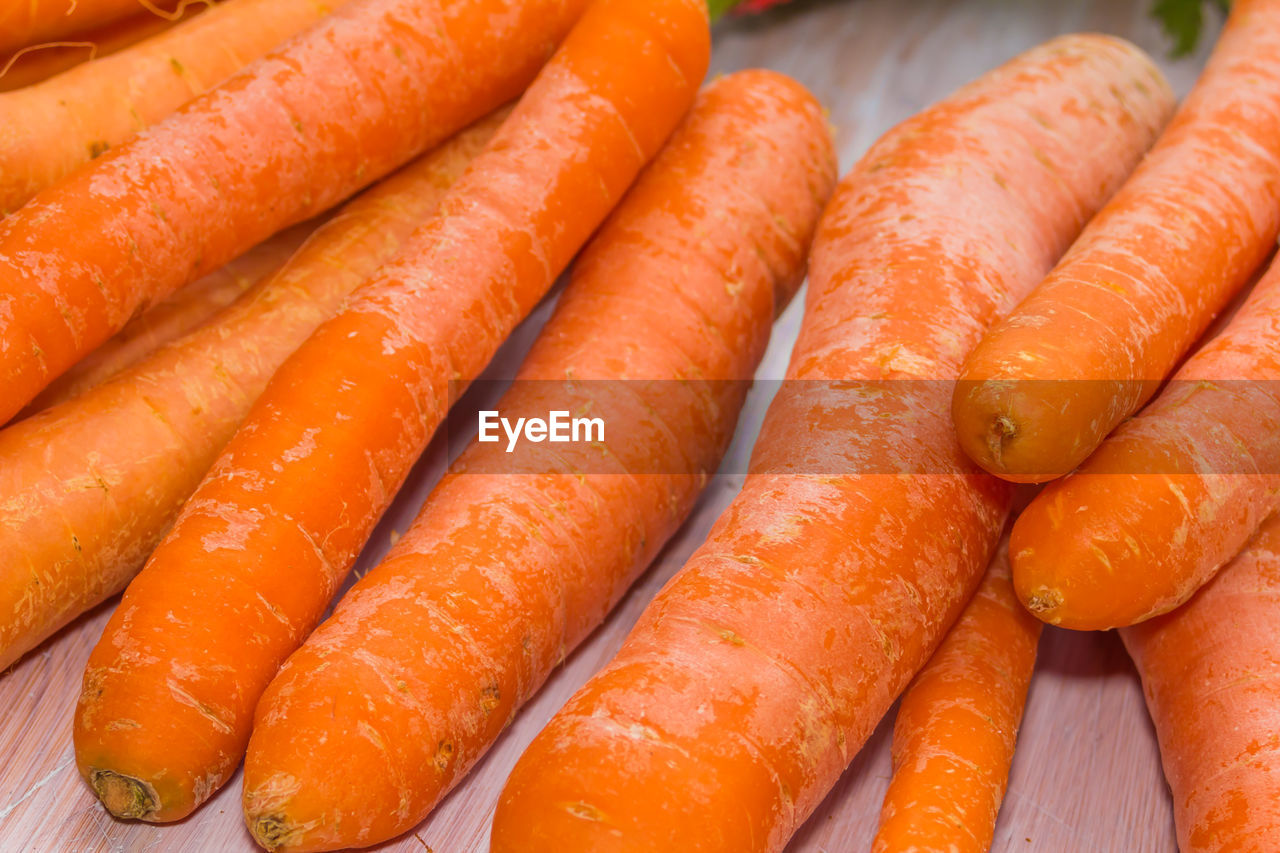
1082	580
1044	602
990	426
1039	594
1031	430
125	797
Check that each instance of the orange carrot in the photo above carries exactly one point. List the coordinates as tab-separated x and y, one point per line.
173	318
957	725
333	110
48	130
261	547
681	284
1094	341
38	62
24	22
756	673
1172	495
78	518
1212	681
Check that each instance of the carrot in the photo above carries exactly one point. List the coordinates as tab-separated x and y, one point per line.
957	725
1172	495
38	62
725	214
756	673
27	22
79	517
50	129
1094	341
1211	675
263	544
360	93
174	318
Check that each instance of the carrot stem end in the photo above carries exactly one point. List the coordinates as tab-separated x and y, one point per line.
1003	429
271	831
125	797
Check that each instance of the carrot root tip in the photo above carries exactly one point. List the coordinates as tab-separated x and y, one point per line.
125	797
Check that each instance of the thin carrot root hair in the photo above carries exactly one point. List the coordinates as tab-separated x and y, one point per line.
18	54
178	11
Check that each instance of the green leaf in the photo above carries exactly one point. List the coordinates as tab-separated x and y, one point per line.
719	7
1183	21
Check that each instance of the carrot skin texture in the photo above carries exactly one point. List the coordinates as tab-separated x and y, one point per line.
1172	495
731	203
24	23
276	524
78	519
1210	674
357	95
755	674
37	63
1094	341
48	130
957	725
173	318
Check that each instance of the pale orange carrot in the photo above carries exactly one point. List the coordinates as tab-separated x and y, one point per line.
49	129
362	92
24	22
114	465
38	62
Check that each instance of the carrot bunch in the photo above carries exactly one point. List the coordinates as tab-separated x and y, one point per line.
1172	495
757	672
665	318
49	129
1158	503
354	97
117	462
258	550
1100	334
237	300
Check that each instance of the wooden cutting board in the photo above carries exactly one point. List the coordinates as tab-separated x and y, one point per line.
1087	775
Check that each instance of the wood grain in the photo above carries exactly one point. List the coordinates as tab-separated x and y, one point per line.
1087	775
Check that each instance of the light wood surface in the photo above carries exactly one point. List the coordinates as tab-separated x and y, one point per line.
1087	774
